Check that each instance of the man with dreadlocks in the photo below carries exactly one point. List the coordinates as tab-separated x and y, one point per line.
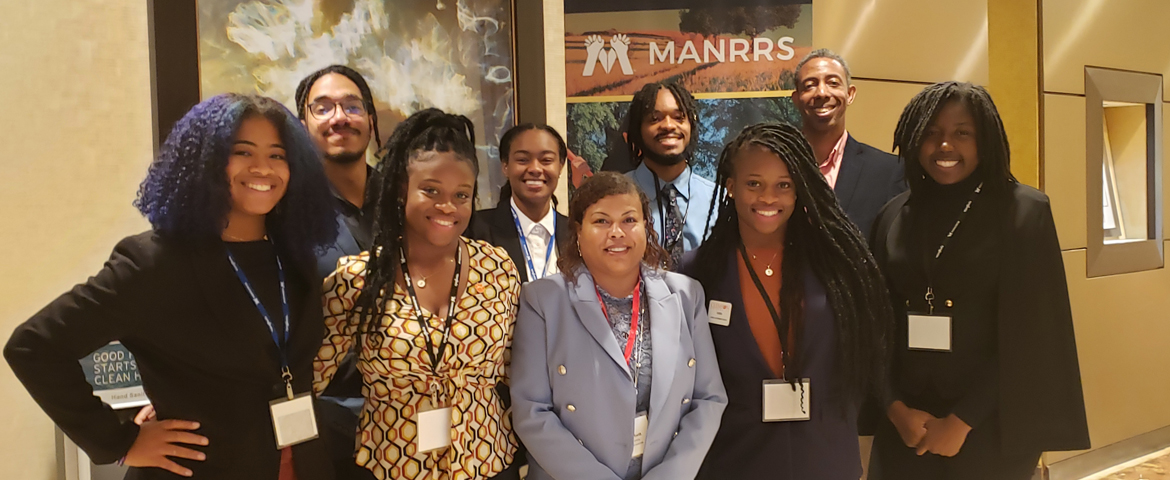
659	128
337	108
799	314
985	373
864	178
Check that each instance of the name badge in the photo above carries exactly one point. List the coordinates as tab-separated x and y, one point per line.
784	402
719	313
434	429
930	333
641	422
293	421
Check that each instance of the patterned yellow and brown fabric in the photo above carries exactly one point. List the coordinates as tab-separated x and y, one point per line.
397	375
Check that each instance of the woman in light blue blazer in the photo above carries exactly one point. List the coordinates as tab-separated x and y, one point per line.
613	369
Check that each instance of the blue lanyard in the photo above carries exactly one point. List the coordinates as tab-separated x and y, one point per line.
281	346
552	241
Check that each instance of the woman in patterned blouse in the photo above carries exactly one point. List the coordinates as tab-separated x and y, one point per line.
430	314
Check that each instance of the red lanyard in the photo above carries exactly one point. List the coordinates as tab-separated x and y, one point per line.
634	314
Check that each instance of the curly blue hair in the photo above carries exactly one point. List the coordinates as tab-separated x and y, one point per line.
186	193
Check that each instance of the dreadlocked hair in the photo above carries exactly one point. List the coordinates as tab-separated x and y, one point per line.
642	105
303	88
819	237
990	137
430	130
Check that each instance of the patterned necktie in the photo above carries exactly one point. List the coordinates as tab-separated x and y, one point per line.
673	224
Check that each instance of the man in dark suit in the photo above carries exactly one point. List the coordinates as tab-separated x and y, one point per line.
337	109
863	177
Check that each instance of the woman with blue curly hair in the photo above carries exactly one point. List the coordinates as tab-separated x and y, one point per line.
218	302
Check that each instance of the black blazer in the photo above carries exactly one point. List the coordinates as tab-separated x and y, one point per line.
867	180
496	226
202	348
824	447
1001	280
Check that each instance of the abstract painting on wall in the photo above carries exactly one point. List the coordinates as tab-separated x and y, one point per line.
455	55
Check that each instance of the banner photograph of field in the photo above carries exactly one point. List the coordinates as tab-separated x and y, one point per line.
734	50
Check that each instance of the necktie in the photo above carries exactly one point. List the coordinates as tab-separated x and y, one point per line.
673	225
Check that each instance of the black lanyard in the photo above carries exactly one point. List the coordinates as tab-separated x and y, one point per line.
436	355
281	346
781	323
669	245
932	264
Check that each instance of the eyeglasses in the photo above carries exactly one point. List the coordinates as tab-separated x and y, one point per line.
324	109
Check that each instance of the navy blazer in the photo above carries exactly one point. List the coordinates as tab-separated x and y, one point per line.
824	447
869	178
573	394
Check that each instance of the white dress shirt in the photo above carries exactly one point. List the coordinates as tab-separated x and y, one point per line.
537	235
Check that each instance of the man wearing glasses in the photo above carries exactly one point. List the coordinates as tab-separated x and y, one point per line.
337	108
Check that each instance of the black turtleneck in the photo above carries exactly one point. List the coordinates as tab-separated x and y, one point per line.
940	206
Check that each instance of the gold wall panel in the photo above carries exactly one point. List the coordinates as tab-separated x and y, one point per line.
1121	335
875	111
1124	34
917	40
76	78
1064	167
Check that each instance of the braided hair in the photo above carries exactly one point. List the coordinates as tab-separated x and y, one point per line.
643	105
303	88
990	137
819	237
430	130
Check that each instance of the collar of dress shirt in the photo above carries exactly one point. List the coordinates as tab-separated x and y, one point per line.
837	153
646	179
526	224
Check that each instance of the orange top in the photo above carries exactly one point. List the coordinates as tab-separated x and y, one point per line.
763	328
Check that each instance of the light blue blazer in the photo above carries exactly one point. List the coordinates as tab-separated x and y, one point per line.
573	394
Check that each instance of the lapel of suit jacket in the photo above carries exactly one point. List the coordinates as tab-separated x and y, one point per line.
345	240
218	284
665	335
508	237
584	298
739	327
849	176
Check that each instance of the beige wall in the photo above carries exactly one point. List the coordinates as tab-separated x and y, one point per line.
75	79
897	47
1121	320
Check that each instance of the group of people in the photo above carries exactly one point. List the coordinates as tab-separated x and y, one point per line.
297	313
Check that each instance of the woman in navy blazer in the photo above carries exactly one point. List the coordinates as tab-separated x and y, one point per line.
784	257
613	370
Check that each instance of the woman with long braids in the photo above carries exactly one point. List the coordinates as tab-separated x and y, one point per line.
431	313
985	376
798	313
218	302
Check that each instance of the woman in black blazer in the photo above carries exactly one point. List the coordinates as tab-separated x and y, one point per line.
236	193
985	376
799	314
533	157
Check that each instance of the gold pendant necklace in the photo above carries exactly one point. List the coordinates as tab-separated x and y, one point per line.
768	268
422	281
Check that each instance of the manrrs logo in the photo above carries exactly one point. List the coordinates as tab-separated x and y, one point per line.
618	51
714	50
